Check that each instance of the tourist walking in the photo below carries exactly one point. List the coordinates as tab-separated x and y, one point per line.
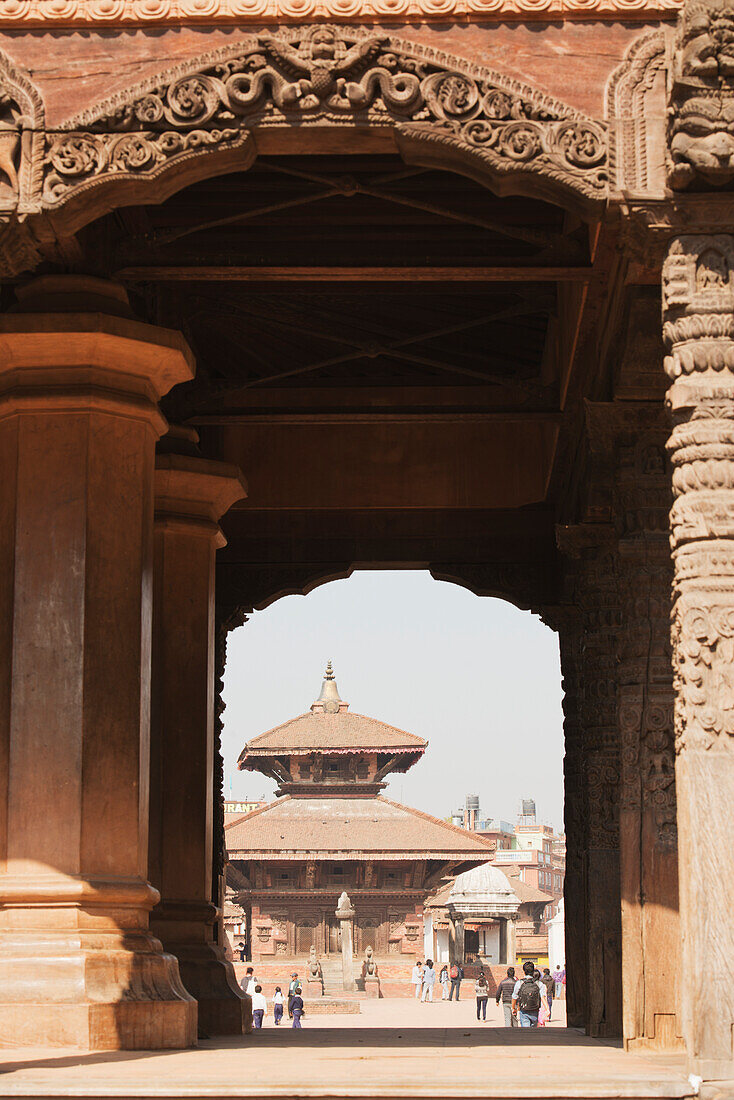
481	991
456	973
259	1006
559	979
242	951
416	978
297	1007
291	993
443	979
277	1005
528	996
547	980
429	980
248	983
504	993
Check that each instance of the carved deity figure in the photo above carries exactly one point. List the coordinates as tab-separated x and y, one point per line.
321	63
701	128
344	905
10	123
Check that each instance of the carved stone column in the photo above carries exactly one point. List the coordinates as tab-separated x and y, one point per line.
698	303
345	915
191	494
79	384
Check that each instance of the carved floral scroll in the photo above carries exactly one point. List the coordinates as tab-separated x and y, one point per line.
334	75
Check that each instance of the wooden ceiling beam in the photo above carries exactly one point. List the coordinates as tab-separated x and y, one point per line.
180	273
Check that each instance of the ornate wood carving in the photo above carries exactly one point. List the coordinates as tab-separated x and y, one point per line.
438	105
701	116
698	302
106	13
698	310
21	139
635	98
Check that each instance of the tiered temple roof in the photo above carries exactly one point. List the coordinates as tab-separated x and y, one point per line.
330	808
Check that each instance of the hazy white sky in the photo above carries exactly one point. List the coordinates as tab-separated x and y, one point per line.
477	678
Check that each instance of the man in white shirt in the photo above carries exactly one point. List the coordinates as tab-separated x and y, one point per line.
528	996
259	1006
417	978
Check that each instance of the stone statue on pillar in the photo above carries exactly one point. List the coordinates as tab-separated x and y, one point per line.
345	915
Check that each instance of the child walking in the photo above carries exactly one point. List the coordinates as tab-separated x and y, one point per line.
259	1006
297	1005
277	1005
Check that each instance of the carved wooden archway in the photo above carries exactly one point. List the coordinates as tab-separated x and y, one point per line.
203	117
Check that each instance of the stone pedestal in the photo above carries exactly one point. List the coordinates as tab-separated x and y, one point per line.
79	384
190	496
345	915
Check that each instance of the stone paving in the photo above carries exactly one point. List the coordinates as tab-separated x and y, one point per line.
395	1048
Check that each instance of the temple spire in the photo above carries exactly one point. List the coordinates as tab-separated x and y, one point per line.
329	698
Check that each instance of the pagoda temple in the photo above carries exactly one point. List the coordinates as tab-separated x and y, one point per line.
331	829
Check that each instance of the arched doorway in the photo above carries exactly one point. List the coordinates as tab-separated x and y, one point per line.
436	661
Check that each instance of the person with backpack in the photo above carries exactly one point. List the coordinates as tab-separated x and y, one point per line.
456	974
504	991
481	992
527	997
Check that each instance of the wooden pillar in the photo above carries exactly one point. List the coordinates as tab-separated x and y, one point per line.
648	831
567	622
596	595
79	384
698	305
190	496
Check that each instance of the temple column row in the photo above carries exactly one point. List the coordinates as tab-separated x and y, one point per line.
90	592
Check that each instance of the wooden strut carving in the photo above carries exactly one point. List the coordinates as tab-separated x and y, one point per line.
701	117
324	73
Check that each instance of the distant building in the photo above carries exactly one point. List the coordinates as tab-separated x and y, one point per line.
532	855
486	917
330	829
